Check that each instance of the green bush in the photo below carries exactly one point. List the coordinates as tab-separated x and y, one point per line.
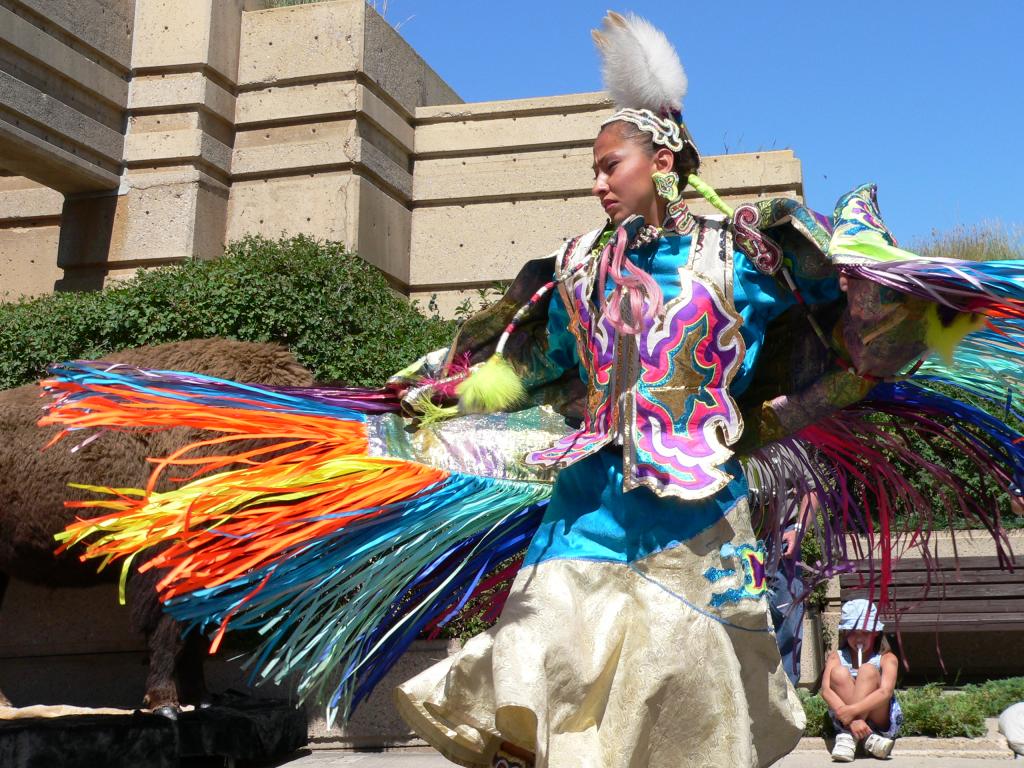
818	721
336	313
996	695
928	711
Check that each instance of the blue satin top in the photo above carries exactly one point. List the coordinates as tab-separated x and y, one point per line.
590	516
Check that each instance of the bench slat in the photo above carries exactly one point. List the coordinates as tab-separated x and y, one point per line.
984	563
942	592
977	605
955	623
855	580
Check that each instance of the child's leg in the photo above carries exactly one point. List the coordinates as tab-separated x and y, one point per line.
868	681
843	685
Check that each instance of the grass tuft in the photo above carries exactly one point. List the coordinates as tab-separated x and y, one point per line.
990	241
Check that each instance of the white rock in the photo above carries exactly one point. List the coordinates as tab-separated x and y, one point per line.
1011	725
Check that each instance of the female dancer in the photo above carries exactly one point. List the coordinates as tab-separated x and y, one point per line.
636	632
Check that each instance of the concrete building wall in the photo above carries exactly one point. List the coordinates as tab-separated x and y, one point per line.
29	234
498	183
209	120
64	70
325	129
63	91
174	126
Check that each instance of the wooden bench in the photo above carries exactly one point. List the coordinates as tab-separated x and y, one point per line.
972	594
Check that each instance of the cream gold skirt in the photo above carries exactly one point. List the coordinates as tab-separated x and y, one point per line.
620	665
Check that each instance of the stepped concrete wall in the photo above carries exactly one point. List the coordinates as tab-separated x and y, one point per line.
165	128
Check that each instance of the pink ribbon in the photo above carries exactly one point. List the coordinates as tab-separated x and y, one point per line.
632	283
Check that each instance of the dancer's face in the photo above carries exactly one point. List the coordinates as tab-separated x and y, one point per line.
623	166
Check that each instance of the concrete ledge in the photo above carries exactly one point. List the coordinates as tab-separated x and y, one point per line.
105	26
309	148
516	174
487	110
385	118
270	150
20	152
60	119
455	244
554	172
991	746
32	204
505	134
194	145
165	215
184	90
390	62
754	172
306	102
325	203
187	33
302	41
33	42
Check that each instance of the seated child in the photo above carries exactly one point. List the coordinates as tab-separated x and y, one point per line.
858	685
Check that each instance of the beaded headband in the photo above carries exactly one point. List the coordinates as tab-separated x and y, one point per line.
665	131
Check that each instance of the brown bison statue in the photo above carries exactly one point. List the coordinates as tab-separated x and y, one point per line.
34	486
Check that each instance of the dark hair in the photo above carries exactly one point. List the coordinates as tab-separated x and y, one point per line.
686	162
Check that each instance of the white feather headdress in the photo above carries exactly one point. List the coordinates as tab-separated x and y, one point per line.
641	67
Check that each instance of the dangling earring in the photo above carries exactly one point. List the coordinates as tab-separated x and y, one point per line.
666	184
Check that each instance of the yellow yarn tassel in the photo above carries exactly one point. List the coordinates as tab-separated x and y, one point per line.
431	413
944	338
491	386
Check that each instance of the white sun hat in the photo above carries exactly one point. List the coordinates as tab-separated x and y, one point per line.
860	614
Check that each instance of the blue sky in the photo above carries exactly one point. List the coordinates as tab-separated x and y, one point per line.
925	98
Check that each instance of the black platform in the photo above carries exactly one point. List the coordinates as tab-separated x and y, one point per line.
233	729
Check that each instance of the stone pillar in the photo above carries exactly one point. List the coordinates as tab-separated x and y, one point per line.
172	200
29	232
326	98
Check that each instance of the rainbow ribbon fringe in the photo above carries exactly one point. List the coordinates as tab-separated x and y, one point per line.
336	558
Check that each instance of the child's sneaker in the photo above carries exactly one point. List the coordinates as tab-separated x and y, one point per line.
878	746
845	748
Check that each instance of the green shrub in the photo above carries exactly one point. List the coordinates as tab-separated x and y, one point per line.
996	695
336	313
927	712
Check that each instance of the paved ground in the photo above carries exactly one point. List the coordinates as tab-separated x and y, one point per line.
329	758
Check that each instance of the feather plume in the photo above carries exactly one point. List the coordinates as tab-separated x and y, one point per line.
641	68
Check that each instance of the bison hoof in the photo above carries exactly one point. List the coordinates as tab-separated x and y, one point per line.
167	710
